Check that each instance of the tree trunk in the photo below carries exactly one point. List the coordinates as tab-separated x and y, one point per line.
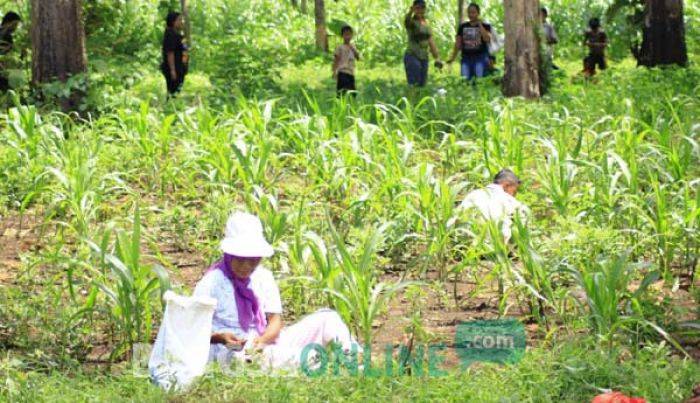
663	35
321	34
58	44
460	12
522	48
188	26
304	7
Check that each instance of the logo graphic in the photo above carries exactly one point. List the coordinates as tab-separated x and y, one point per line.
501	341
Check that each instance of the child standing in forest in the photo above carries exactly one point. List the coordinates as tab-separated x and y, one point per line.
596	41
344	62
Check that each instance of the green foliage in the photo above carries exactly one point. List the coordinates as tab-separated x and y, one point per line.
571	372
609	166
131	287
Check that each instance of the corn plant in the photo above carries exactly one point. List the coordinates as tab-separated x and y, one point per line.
610	304
131	287
536	275
557	176
358	293
266	207
435	212
79	189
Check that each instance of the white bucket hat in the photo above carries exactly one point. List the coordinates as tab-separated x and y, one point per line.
244	237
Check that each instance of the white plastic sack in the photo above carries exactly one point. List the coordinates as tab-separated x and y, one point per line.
181	349
496	42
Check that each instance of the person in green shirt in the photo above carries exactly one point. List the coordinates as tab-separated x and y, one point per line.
420	44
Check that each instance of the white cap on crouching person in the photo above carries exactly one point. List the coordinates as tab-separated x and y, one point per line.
244	237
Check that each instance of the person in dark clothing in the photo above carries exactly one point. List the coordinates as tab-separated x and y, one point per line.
473	38
9	24
597	41
175	58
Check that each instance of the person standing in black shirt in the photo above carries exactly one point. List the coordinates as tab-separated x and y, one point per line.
175	59
8	26
473	39
596	41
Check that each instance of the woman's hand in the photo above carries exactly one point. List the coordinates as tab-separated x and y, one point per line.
228	339
259	343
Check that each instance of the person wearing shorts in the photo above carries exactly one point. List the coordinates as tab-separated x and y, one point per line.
344	62
596	40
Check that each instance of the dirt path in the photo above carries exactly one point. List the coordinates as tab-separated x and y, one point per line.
15	240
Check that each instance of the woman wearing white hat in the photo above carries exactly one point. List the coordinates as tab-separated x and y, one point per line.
249	308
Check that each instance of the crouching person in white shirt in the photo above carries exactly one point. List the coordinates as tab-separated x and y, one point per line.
248	314
497	202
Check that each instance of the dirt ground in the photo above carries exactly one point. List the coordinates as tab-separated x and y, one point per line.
440	313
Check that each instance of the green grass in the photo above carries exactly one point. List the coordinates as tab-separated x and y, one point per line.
566	373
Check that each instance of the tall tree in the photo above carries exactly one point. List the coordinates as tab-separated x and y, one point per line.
186	16
58	44
663	34
460	12
321	33
522	48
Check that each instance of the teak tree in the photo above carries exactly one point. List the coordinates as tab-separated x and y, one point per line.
58	44
522	48
663	35
320	18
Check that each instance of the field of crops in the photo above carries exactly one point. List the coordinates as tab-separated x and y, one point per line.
99	214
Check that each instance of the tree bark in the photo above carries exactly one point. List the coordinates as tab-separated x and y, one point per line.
304	7
663	35
58	44
522	48
321	34
186	17
460	12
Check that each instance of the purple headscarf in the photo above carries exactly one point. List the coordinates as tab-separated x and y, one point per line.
247	303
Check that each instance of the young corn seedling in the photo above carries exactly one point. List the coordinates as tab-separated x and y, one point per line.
536	276
611	305
79	189
557	176
358	290
132	288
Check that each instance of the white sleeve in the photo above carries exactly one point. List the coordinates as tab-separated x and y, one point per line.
205	286
469	201
271	300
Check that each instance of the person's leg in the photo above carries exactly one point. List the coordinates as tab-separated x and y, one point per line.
342	86
320	327
412	66
480	65
351	84
588	66
464	69
4	82
181	73
423	79
602	63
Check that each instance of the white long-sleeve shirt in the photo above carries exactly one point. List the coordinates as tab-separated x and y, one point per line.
495	204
